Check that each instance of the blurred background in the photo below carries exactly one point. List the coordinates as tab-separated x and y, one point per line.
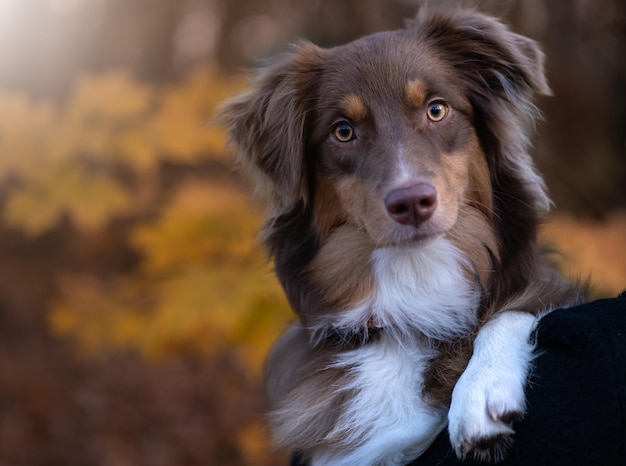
136	307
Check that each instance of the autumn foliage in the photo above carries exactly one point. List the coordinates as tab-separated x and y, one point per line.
151	305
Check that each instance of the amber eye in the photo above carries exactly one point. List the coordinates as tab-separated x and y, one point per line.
343	132
437	111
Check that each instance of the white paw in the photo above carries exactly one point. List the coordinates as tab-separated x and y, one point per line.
489	396
481	415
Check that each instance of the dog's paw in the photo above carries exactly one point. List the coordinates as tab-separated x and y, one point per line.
489	396
481	416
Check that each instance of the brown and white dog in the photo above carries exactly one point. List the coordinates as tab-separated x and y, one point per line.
403	218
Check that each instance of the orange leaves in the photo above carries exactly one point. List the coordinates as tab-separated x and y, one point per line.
89	200
68	159
201	285
204	222
112	99
102	114
90	311
185	128
62	159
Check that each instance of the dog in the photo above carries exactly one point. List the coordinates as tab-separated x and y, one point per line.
403	217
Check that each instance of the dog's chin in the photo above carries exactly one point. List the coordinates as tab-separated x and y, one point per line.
411	238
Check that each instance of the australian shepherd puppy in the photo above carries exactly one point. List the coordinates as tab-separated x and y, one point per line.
403	218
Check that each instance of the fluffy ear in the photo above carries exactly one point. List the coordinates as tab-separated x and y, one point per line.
487	52
502	71
267	123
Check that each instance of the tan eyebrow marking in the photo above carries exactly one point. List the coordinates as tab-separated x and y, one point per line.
416	92
353	107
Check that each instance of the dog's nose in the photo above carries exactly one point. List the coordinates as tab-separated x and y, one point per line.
412	205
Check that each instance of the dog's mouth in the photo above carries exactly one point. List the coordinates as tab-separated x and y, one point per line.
410	237
418	238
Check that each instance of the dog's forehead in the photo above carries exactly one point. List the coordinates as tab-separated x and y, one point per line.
385	65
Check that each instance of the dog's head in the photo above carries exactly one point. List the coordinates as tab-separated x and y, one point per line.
396	134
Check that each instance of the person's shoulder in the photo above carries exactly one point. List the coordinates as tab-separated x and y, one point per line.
579	327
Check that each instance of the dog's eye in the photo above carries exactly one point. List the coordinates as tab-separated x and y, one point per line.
343	132
437	111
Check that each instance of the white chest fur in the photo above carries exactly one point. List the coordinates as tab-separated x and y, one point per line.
417	290
420	294
386	419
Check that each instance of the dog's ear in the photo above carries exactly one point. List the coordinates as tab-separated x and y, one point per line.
487	52
502	71
267	123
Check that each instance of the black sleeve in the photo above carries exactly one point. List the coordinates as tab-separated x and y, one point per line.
576	396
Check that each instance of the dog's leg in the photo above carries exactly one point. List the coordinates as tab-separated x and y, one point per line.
489	395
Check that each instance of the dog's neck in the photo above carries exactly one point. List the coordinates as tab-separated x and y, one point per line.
417	290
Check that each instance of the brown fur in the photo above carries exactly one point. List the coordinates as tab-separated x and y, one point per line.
296	362
346	281
327	197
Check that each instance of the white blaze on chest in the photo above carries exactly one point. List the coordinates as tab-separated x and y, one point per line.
386	415
423	290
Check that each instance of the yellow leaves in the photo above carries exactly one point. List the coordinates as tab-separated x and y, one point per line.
104	112
188	277
202	285
64	157
89	200
111	98
186	127
201	224
90	310
185	276
197	311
